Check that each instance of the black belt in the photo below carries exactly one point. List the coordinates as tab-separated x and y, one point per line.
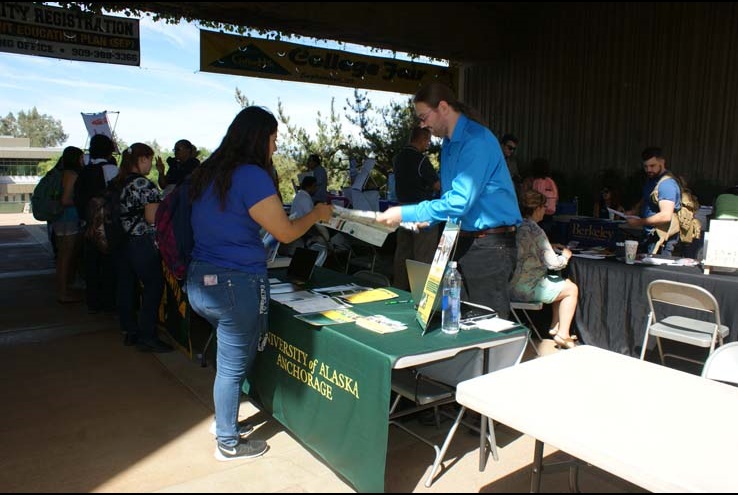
484	233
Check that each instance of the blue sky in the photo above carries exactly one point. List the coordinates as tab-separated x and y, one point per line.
165	99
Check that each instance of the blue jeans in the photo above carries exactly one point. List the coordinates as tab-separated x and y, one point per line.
236	304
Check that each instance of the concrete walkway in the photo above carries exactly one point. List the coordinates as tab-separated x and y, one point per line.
83	413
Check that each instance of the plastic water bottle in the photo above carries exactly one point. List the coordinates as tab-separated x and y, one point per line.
451	302
576	205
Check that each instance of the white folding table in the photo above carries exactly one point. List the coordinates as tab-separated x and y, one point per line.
656	427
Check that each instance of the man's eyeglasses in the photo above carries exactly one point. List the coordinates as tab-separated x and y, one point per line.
423	116
511	148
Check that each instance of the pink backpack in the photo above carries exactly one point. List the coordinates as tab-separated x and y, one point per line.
547	187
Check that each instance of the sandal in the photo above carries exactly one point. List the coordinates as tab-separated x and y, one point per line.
565	343
553	332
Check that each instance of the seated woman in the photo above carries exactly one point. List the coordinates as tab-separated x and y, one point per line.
531	281
608	198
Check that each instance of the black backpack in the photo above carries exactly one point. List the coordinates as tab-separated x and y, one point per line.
90	182
104	226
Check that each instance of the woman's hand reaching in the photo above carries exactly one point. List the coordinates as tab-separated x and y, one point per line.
159	165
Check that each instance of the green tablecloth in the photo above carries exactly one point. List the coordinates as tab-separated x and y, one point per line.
330	386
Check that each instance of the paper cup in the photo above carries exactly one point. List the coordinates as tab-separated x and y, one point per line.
631	248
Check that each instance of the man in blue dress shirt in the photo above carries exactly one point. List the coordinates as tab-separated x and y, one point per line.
476	190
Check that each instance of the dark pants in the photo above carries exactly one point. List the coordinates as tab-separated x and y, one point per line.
419	246
486	265
100	278
139	261
650	240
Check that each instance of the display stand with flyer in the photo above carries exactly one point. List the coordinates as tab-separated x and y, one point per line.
720	247
361	198
98	123
444	252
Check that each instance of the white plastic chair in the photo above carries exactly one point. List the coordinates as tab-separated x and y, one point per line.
691	331
722	365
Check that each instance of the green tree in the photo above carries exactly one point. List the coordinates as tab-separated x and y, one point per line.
295	145
384	132
9	126
47	165
330	143
43	130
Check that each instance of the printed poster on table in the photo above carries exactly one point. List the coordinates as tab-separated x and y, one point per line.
444	253
174	312
720	246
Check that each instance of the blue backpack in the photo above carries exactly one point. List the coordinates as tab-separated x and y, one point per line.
46	200
174	236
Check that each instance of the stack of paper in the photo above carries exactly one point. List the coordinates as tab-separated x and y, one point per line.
380	324
307	302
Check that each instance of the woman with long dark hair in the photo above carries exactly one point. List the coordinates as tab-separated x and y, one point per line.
233	196
66	229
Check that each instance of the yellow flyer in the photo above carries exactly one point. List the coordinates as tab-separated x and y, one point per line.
429	300
369	296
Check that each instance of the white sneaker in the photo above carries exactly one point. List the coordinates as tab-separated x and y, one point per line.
244	429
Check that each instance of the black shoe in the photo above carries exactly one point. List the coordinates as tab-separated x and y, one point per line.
129	338
245	449
156	346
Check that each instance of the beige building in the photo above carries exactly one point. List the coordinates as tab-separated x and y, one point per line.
19	171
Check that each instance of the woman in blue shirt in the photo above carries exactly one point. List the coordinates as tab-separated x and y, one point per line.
234	195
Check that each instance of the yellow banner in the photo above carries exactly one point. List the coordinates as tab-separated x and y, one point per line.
245	56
